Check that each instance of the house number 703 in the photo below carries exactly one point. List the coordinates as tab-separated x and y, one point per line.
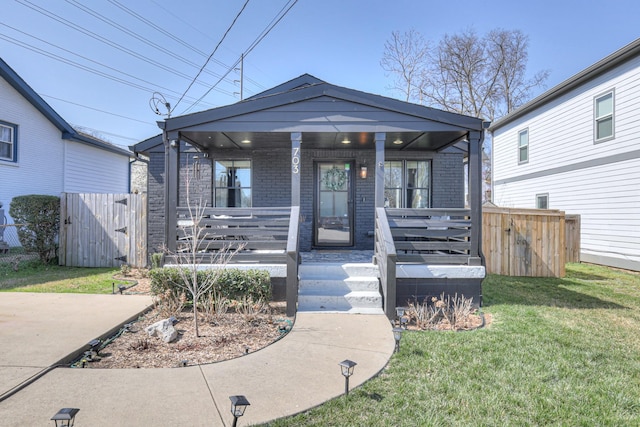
295	160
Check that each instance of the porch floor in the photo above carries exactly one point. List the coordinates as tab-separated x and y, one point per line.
336	255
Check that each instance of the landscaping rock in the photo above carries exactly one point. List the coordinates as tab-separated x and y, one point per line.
163	329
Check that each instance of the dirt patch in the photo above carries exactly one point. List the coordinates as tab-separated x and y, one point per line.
227	336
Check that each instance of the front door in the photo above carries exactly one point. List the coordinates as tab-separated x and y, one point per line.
333	201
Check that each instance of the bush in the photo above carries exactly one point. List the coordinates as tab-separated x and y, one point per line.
38	222
232	283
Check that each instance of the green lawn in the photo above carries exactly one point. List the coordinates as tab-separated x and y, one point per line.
558	352
36	277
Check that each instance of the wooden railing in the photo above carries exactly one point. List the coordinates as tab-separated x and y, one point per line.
433	236
293	260
261	233
385	254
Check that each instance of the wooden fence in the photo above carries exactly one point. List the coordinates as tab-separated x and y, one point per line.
529	242
103	230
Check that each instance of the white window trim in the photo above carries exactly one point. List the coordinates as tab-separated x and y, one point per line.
540	196
14	142
596	118
522	162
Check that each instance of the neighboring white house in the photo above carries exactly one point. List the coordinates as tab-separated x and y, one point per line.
40	153
576	148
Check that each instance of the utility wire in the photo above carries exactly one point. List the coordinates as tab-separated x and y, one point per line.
255	43
135	35
108	42
81	66
188	24
96	109
212	53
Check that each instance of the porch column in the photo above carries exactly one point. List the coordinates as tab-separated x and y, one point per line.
296	139
293	257
475	194
379	190
171	176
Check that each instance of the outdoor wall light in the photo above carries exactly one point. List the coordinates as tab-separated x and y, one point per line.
363	171
238	406
397	335
66	417
347	367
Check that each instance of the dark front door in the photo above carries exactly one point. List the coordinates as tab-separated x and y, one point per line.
333	201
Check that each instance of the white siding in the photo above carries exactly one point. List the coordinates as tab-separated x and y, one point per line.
40	150
599	181
91	170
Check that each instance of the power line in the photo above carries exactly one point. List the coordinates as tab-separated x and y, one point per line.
212	53
96	109
108	42
81	66
260	37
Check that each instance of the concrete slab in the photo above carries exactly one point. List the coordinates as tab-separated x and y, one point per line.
40	330
294	374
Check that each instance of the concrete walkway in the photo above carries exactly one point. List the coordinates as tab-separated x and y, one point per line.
296	373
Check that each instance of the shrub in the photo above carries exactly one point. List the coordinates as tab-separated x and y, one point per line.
232	283
38	223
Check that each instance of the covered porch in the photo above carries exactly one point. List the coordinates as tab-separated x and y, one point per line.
309	165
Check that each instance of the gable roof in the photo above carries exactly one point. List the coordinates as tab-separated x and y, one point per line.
308	87
618	57
67	131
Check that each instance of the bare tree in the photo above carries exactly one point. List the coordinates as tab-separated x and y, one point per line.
481	76
406	55
194	248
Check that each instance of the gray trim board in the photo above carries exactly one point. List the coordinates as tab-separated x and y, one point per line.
615	158
610	261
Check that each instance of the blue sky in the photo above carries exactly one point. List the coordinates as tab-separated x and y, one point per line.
341	42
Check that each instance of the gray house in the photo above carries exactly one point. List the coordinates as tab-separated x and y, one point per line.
312	166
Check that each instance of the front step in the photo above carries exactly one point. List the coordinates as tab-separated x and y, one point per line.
338	287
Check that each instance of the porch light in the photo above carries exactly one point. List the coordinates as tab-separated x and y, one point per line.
66	417
246	141
346	141
397	335
347	366
363	171
398	141
238	406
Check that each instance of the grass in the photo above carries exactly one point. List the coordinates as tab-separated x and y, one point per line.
558	352
32	276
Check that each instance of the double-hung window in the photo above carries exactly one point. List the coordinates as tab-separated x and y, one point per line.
604	116
232	184
523	146
8	142
407	183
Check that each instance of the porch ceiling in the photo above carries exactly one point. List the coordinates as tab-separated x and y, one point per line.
428	141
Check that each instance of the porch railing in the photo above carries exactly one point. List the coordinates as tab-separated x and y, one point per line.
433	236
385	254
262	233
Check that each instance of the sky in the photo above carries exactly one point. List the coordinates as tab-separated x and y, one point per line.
99	63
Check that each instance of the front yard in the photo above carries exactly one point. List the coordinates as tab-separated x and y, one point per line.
563	352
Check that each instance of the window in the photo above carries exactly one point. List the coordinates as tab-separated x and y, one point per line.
407	184
604	116
523	146
542	201
8	142
232	183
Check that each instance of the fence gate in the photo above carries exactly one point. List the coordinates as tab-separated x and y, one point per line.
103	230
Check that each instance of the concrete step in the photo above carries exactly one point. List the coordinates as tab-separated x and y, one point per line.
337	287
341	286
353	302
337	270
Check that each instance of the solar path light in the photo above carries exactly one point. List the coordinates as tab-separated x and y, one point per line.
238	406
347	367
65	417
397	335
